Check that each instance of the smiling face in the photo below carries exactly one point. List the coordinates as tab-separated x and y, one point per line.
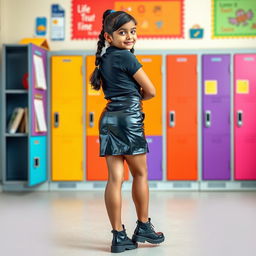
124	38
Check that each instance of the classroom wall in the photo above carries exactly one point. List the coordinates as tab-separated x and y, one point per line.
18	21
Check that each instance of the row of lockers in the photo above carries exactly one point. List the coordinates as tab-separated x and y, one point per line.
74	133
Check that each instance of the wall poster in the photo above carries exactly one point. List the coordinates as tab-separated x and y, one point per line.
234	18
156	19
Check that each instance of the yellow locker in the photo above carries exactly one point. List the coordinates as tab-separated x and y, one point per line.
67	118
152	65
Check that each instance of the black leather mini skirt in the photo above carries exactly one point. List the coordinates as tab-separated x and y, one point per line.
121	127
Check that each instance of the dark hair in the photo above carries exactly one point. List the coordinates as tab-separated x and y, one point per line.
112	21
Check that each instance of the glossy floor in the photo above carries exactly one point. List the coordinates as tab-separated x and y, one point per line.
76	223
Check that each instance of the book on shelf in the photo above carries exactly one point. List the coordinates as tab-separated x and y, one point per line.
23	127
26	120
16	121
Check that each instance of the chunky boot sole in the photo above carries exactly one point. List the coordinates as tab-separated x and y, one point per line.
143	239
122	248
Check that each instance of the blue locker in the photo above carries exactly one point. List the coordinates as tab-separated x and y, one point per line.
37	160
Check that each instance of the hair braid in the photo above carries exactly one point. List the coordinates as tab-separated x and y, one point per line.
101	45
95	78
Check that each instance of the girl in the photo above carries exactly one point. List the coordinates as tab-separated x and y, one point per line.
121	128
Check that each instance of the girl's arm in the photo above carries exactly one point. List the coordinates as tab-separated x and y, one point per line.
148	89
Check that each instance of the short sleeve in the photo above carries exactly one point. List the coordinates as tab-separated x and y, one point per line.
129	63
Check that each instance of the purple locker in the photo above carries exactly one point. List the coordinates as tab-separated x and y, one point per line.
216	117
38	92
154	157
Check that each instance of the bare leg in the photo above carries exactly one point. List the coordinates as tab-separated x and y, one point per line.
140	192
113	197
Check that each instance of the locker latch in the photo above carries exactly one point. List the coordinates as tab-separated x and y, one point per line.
91	119
56	119
208	118
172	118
239	118
36	162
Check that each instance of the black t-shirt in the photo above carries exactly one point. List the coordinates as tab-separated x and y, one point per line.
117	69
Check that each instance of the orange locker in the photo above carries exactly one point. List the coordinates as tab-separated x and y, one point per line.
96	168
182	117
97	165
152	65
67	118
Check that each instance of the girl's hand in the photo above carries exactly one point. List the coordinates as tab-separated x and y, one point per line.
145	97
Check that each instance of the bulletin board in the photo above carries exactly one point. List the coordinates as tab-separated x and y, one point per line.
234	18
156	19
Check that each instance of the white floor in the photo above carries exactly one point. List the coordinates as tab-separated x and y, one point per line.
76	223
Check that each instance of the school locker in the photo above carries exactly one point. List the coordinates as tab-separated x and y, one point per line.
216	148
37	148
96	167
67	118
24	153
152	65
245	116
38	141
182	117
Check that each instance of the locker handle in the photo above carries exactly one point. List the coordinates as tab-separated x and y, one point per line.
172	118
239	118
56	119
208	118
91	119
36	162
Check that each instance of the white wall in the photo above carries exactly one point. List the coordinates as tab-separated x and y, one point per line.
18	21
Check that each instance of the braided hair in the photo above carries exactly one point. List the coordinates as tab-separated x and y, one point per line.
112	21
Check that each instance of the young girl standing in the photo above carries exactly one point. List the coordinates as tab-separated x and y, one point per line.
121	127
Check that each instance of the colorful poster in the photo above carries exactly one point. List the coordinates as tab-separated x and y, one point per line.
156	19
57	22
41	26
234	18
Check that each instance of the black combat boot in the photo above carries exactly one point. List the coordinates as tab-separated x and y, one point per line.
121	241
145	232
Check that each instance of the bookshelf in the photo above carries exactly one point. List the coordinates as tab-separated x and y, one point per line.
23	152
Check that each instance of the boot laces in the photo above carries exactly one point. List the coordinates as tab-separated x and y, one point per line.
123	231
152	227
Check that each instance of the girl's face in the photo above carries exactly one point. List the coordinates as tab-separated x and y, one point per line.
124	38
